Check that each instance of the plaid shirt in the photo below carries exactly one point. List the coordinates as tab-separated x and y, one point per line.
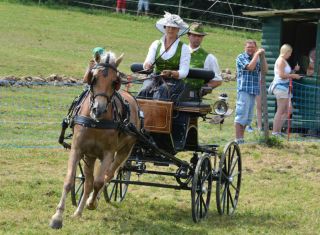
248	81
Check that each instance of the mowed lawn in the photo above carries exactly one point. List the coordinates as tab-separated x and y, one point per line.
280	186
279	195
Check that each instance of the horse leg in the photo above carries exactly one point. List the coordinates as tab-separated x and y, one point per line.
88	184
121	156
57	218
99	180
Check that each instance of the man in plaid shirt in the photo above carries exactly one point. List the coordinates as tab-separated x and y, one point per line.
248	86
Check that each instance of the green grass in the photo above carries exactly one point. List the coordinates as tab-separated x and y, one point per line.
278	196
41	41
280	187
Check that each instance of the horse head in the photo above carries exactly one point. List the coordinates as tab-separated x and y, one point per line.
103	84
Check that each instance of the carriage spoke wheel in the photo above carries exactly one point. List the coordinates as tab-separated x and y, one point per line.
78	186
201	188
229	179
116	191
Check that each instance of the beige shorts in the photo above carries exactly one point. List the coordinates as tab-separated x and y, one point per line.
281	94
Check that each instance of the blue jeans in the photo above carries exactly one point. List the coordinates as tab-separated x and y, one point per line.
244	108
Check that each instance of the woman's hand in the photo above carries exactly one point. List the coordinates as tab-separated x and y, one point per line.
167	73
295	76
147	66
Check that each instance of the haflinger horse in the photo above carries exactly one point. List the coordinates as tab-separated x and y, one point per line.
100	132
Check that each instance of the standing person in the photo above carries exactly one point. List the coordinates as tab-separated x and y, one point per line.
121	6
248	86
168	57
199	57
97	52
143	4
249	128
312	60
282	76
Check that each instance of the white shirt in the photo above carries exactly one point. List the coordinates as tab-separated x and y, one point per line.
184	58
211	63
287	70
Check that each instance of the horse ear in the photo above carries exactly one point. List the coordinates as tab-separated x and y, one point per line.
119	59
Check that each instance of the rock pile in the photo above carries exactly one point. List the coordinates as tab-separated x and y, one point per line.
227	75
53	79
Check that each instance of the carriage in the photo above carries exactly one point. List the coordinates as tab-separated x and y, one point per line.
168	129
144	137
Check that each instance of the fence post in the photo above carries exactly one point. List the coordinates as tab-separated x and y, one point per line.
263	94
179	8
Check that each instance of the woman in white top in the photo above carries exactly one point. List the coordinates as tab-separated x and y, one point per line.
282	76
168	57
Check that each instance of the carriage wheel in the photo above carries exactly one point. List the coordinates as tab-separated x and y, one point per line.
201	188
77	189
229	179
117	191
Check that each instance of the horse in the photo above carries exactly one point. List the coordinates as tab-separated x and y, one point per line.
100	132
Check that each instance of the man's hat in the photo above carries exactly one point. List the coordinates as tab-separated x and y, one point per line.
197	28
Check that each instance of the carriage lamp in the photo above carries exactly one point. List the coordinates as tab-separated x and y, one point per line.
220	107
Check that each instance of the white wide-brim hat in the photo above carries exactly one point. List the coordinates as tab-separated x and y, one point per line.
172	21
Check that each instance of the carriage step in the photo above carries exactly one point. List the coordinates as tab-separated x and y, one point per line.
161	164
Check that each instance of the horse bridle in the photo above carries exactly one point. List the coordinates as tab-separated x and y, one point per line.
106	67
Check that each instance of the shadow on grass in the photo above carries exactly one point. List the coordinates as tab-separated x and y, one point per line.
161	217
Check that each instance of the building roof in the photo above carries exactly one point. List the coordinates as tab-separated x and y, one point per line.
293	14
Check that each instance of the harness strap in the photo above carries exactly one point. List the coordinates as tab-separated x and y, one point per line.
103	124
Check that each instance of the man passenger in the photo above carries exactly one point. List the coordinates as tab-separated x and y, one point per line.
201	58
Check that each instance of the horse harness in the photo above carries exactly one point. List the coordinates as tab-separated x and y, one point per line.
120	120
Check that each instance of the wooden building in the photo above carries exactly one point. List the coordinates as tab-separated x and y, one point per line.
301	29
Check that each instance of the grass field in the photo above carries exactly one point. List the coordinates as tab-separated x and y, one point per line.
42	41
280	187
279	195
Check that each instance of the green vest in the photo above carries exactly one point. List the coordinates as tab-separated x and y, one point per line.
171	64
198	58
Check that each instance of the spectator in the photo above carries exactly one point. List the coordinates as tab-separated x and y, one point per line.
199	57
312	60
258	113
121	6
143	4
248	86
280	87
169	57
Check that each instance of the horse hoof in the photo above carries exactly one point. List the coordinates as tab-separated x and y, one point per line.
56	224
92	206
76	215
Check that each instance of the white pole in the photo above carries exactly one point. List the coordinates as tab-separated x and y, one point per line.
179	9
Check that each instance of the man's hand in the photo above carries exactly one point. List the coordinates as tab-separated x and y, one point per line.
260	51
205	90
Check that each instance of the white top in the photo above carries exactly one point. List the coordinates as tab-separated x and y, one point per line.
277	79
211	63
184	59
